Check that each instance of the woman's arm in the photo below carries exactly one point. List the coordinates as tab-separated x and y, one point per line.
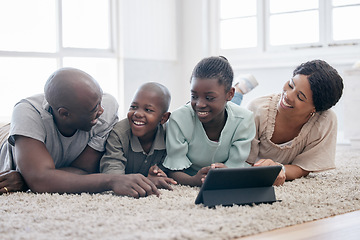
293	172
289	172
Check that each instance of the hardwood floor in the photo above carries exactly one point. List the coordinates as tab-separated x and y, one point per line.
345	226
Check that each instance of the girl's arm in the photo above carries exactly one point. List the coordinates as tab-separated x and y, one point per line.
185	179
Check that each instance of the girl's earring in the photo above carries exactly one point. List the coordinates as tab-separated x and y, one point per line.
312	114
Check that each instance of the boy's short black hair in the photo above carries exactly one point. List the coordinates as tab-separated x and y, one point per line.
161	91
325	83
215	67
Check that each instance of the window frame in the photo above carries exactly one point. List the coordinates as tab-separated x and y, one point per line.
264	55
113	52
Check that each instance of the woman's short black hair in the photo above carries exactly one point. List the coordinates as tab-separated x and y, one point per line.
215	67
325	83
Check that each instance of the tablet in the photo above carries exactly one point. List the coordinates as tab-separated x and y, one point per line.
229	186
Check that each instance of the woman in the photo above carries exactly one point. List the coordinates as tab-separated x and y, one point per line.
297	129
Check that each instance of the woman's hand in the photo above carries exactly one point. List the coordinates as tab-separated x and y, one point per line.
12	181
280	180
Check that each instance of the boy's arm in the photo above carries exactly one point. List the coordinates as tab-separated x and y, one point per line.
114	160
38	170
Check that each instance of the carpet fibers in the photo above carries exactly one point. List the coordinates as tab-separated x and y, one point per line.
174	215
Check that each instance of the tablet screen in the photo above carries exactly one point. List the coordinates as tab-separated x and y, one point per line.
238	178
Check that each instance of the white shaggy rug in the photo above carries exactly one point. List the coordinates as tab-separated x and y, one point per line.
174	215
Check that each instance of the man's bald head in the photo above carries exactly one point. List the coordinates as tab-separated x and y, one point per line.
160	90
68	86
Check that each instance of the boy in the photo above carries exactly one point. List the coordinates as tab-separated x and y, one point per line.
137	144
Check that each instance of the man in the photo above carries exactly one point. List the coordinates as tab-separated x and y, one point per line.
57	138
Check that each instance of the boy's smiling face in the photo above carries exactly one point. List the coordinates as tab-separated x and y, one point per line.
145	113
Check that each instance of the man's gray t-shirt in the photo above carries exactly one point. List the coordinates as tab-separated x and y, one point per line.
32	118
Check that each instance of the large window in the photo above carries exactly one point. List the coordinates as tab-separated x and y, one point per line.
265	28
40	36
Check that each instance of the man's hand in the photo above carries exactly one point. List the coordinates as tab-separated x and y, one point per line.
280	180
134	185
12	181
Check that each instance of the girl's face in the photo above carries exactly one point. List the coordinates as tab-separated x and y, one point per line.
296	98
208	99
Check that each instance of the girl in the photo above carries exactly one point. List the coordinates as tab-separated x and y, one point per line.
209	131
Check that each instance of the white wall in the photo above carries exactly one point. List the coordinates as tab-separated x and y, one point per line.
164	53
150	42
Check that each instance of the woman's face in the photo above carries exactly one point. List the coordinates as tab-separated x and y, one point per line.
296	98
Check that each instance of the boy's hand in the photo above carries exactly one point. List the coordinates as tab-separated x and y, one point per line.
162	182
156	171
134	185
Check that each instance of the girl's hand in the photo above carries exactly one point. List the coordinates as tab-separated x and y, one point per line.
156	171
199	178
206	170
218	165
280	180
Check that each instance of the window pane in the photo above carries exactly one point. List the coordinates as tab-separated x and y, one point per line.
23	77
345	2
237	8
343	23
238	33
277	6
86	23
302	27
28	26
104	70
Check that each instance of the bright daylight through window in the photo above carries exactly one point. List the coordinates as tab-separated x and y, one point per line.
42	36
265	25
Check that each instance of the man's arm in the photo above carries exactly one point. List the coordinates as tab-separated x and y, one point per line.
88	160
11	181
38	170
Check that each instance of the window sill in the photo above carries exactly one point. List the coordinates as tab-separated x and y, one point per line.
344	55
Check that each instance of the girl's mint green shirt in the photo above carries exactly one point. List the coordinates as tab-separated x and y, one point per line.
189	149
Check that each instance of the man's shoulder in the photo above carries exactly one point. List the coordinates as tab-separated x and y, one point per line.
36	102
110	115
109	103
